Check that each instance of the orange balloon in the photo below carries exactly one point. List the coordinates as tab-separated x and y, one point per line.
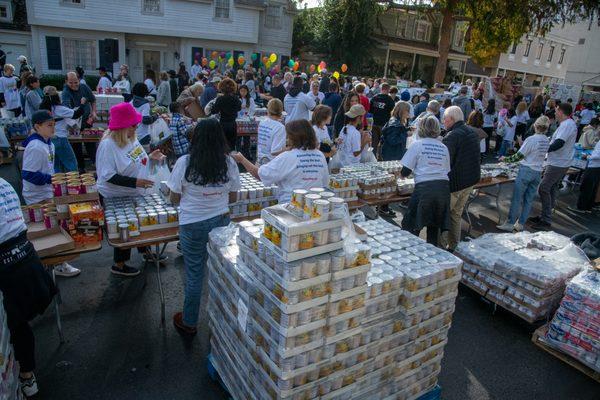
296	66
344	68
264	60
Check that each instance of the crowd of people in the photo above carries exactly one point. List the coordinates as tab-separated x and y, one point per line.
315	124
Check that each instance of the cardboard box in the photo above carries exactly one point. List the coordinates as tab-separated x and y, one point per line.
87	213
48	242
76	198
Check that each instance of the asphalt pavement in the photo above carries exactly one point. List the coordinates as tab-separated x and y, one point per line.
117	349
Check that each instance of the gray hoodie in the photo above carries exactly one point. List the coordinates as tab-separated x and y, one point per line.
464	103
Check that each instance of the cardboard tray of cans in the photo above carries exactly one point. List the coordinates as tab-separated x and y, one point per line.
298	255
289	224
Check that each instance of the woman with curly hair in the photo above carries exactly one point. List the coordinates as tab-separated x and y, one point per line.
227	105
202	184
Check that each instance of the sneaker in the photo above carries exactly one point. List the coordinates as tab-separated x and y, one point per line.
542	226
29	386
518	227
66	269
125	270
181	327
577	210
506	227
387	213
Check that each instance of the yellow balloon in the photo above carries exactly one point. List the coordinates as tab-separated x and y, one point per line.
230	62
273	57
268	64
336	75
212	63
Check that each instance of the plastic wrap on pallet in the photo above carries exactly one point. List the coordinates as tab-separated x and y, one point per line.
343	324
575	328
9	367
523	272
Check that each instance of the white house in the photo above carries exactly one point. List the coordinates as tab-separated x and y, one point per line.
154	34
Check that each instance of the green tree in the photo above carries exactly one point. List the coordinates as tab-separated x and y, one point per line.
495	24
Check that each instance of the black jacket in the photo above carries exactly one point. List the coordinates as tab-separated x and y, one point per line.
463	146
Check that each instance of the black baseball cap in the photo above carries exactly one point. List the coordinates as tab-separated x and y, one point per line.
39	117
103	69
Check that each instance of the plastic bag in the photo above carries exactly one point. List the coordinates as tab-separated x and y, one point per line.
367	156
159	131
335	162
159	172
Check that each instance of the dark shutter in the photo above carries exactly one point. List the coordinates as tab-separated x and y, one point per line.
53	52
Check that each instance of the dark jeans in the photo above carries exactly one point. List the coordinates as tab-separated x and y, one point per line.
90	149
433	234
120	255
376	131
588	189
23	341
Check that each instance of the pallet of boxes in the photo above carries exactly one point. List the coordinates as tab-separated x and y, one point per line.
300	308
9	367
524	273
573	335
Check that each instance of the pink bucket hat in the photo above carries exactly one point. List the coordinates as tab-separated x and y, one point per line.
122	116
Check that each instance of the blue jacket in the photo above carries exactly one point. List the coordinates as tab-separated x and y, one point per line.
210	92
420	108
393	137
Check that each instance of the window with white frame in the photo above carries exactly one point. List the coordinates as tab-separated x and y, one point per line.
222	9
152	7
6	11
74	3
422	30
79	52
540	49
513	48
562	55
551	53
401	25
273	17
527	48
460	32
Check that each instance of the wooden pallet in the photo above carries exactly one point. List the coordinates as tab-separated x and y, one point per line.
538	339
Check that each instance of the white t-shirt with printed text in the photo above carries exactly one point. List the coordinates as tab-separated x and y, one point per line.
322	134
202	202
298	107
428	159
131	161
534	149
567	131
295	169
350	143
38	157
271	139
11	217
8	86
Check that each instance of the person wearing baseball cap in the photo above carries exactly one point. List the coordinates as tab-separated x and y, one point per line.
350	141
421	107
122	167
104	82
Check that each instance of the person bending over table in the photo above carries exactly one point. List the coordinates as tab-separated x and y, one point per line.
531	154
302	166
26	286
203	183
122	168
429	161
38	168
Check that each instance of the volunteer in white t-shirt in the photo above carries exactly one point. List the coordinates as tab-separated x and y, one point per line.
202	183
142	106
320	119
429	161
67	119
531	155
508	125
122	167
9	94
315	94
296	103
351	141
104	82
271	133
25	284
302	167
559	158
38	168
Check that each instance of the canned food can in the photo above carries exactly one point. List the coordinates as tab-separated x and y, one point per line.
90	186
172	216
50	220
111	226
144	219
309	200
320	210
73	187
124	232
316	190
59	176
297	200
36	213
152	218
62	208
134	227
163	217
72	174
59	188
26	216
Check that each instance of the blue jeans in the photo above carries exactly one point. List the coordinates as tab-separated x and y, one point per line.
194	239
64	157
524	192
506	145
